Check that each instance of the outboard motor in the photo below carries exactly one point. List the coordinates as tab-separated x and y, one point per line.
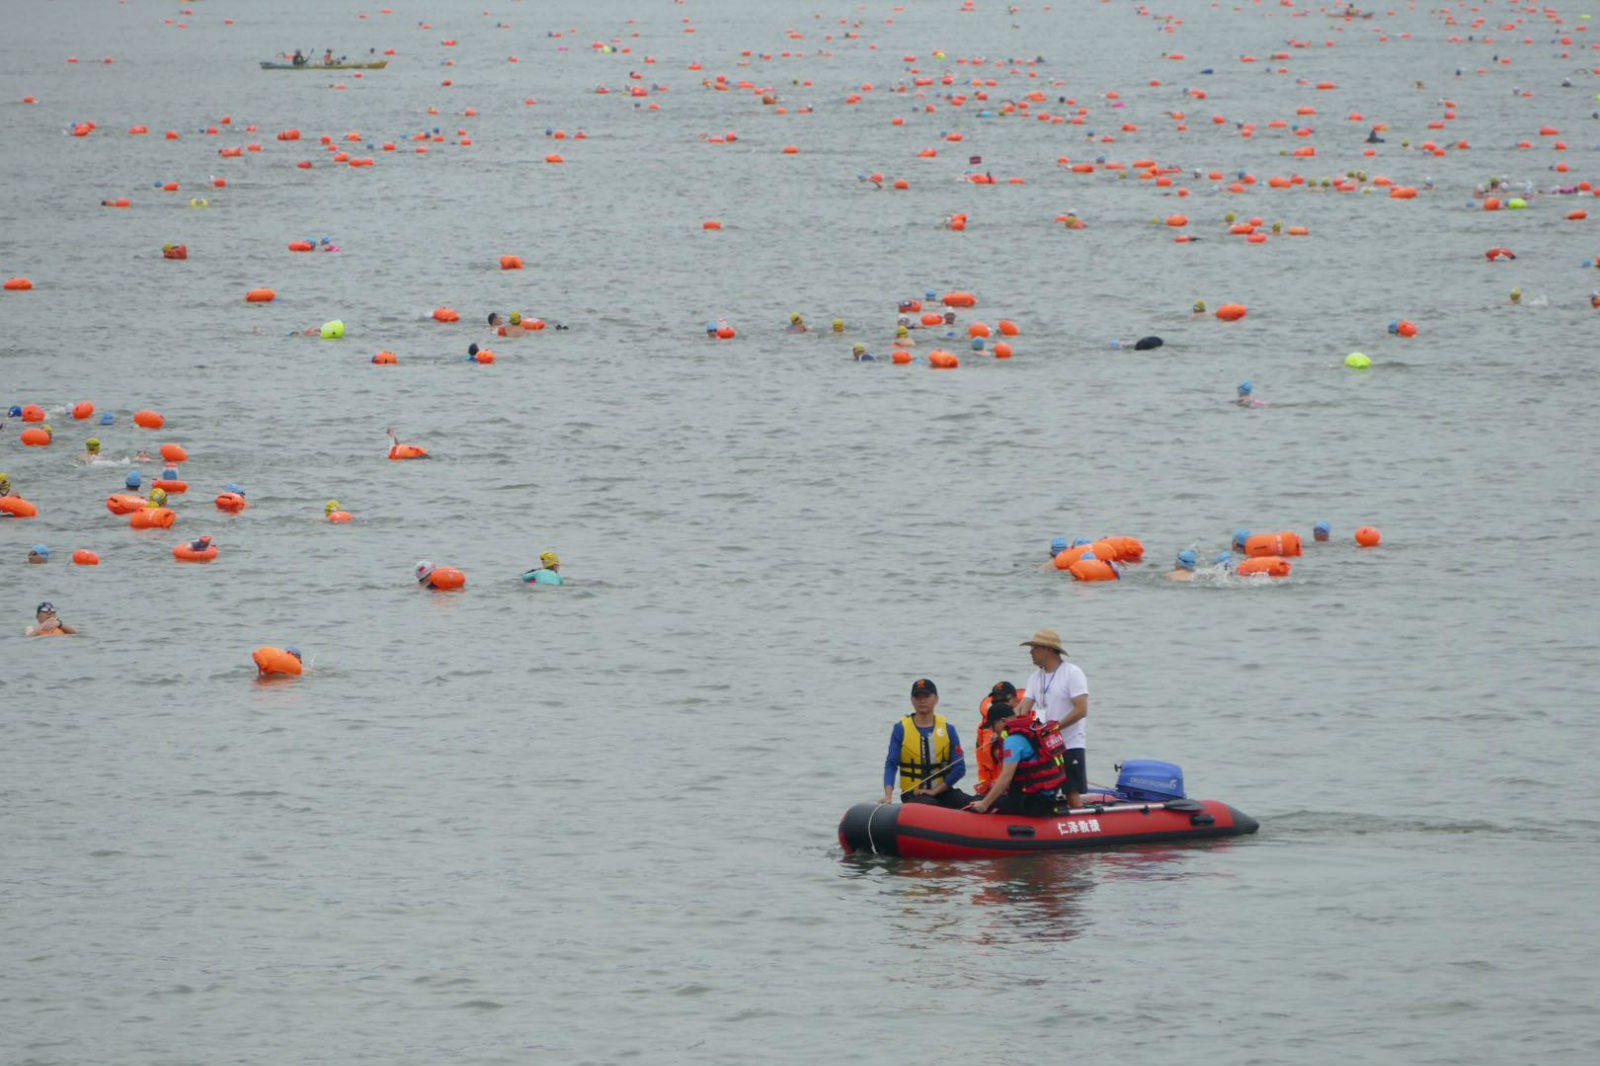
1150	780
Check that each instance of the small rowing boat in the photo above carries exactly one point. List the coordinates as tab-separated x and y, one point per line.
376	64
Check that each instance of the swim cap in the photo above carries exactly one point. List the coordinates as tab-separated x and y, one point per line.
292	650
1199	305
549	559
40	549
16	411
424	568
1186	559
1394	327
858	349
107	418
158	496
93	444
330	507
45	606
169	474
899	331
1515	293
977	344
1081	540
233	487
1058	545
711	327
1245	388
132	480
1240	536
516	318
1225	559
1321	526
838	324
930	295
794	316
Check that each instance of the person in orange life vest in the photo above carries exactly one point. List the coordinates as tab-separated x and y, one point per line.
1032	768
997	706
1063	700
925	752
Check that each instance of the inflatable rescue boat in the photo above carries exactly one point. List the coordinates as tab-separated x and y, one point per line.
1147	806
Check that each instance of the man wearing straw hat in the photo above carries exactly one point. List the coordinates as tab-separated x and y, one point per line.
1061	693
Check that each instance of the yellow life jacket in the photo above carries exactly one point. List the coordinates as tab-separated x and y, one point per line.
923	758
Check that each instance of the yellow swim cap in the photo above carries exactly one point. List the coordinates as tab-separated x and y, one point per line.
516	317
1199	305
549	559
899	331
794	316
330	507
158	496
838	323
93	444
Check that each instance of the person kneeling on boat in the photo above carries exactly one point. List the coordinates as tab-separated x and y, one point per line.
996	709
926	752
1033	767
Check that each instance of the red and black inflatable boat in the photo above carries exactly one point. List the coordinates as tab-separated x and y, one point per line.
926	831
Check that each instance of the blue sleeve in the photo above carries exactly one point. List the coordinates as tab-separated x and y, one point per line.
1017	749
958	760
891	764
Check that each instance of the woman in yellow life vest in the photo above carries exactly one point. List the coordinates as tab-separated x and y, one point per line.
925	753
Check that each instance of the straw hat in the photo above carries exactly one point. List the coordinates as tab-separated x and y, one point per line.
1045	638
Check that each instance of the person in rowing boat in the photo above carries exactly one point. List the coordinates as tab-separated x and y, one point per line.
1063	701
997	708
926	753
299	58
1032	767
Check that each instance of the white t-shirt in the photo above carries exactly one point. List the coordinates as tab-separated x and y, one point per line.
1053	693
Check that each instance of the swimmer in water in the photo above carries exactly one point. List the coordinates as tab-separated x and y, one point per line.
158	497
838	325
860	354
1245	397
1373	138
1182	566
1516	296
91	450
39	553
796	325
1321	530
5	488
200	543
548	572
514	327
45	621
1198	309
495	321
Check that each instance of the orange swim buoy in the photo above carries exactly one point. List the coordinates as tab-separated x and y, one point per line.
931	318
1286	543
940	359
17	507
1129	549
260	296
445	577
301	246
85	557
148	419
34	436
338	516
1093	570
511	262
1271	565
407	451
188	553
1067	556
900	358
1231	312
725	333
170	485
445	314
277	661
173	453
175	251
123	503
960	299
1368	536
1496	254
231	502
32	413
1007	327
18	284
82	410
1002	350
152	518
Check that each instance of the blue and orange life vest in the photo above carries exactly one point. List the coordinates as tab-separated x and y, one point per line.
923	758
1046	769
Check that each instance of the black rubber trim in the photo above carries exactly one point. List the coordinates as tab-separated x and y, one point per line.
873	828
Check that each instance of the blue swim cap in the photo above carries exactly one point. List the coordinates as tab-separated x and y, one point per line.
930	295
169	474
292	650
16	411
1245	388
1240	536
1186	559
1081	540
233	486
41	549
1225	559
1394	327
711	327
132	480
977	344
1321	526
106	418
1089	555
1058	545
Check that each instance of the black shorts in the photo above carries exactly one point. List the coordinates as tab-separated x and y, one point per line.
1077	771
